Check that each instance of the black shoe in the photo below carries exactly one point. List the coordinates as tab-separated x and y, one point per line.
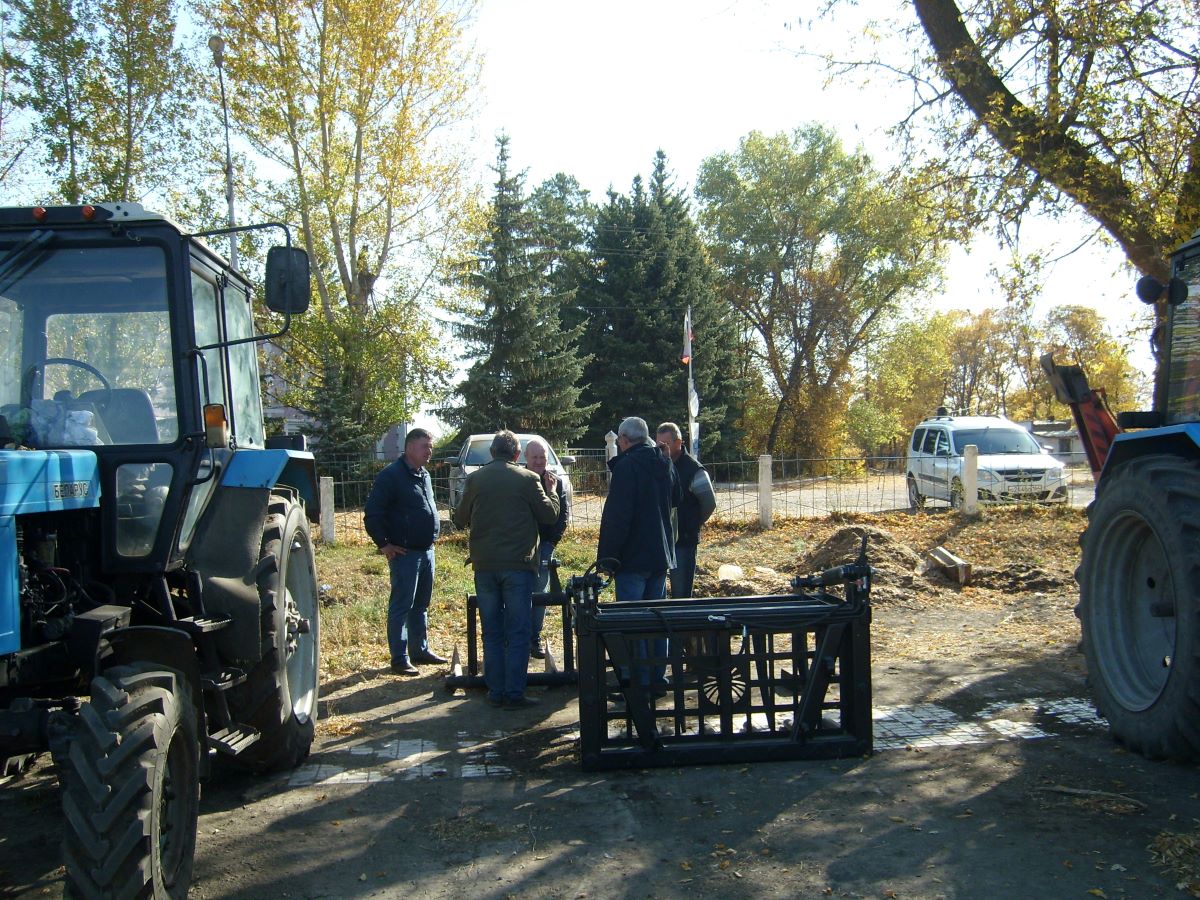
537	651
494	701
521	703
403	668
428	658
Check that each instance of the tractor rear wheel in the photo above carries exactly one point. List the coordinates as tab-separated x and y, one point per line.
131	787
280	696
1139	584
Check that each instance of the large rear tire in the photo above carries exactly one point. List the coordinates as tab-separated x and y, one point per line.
131	788
1139	586
279	697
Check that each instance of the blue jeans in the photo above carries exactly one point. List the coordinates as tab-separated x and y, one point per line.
540	586
644	586
505	599
684	573
408	608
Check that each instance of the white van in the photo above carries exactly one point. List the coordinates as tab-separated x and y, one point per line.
1012	466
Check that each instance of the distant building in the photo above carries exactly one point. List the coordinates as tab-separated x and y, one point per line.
1060	436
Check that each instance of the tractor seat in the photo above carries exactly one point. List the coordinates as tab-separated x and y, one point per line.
129	416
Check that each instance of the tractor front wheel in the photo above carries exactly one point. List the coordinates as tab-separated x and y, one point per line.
1139	584
131	787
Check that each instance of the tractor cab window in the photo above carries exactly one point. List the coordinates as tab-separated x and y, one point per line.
235	366
243	369
86	340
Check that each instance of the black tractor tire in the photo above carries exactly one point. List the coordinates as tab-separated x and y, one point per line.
279	698
131	787
916	500
1139	609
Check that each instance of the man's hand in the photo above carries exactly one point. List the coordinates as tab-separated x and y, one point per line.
391	551
549	480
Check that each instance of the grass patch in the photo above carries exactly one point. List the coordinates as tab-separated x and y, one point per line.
354	597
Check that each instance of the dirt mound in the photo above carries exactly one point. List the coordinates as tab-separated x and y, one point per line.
1020	577
758	581
890	558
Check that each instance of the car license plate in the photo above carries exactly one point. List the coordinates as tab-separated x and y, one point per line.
1025	487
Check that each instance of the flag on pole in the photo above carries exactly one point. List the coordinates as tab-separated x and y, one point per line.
686	356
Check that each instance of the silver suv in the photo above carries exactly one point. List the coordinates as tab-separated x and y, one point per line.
476	452
1012	466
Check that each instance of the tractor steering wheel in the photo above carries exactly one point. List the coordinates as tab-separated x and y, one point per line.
102	403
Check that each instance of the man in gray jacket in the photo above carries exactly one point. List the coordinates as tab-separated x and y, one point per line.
503	505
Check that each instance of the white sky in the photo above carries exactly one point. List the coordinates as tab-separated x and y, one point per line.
594	89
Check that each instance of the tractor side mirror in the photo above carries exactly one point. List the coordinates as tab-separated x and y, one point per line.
288	287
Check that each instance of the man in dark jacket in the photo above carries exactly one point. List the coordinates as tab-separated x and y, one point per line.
693	511
503	505
636	539
401	518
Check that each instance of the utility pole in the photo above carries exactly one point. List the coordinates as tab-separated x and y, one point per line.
217	45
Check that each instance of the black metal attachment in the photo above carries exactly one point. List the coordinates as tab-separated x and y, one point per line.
726	679
567	674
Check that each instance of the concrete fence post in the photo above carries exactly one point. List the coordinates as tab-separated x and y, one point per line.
610	451
327	531
970	479
764	491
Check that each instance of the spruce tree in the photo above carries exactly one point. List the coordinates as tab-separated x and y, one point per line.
527	366
649	268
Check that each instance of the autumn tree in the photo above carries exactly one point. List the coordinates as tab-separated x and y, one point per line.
348	101
1078	335
1091	105
818	251
104	81
903	380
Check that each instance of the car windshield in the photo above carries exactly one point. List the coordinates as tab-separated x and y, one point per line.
479	453
996	441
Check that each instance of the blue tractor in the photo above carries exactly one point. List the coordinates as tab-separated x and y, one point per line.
1139	574
158	597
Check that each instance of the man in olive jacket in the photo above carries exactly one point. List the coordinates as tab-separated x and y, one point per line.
503	504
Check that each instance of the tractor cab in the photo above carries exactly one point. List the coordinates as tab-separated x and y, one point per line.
118	336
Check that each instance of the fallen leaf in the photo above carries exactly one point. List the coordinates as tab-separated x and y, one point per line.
897	819
1096	892
686	866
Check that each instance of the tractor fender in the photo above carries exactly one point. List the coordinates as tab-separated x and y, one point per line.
296	469
1174	440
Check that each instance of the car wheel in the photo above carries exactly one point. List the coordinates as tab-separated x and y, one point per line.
916	500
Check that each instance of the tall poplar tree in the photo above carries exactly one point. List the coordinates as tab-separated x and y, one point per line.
527	366
105	82
650	267
349	102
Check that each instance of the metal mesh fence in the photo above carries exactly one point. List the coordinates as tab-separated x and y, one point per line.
799	488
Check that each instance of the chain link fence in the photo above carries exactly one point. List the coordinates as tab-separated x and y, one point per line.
787	488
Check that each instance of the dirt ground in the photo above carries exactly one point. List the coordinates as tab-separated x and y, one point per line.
991	775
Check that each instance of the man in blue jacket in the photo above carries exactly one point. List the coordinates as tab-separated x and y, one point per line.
636	536
402	519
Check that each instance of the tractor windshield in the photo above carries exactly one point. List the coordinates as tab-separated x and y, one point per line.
85	344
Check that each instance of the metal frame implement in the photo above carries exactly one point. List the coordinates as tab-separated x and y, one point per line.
745	679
